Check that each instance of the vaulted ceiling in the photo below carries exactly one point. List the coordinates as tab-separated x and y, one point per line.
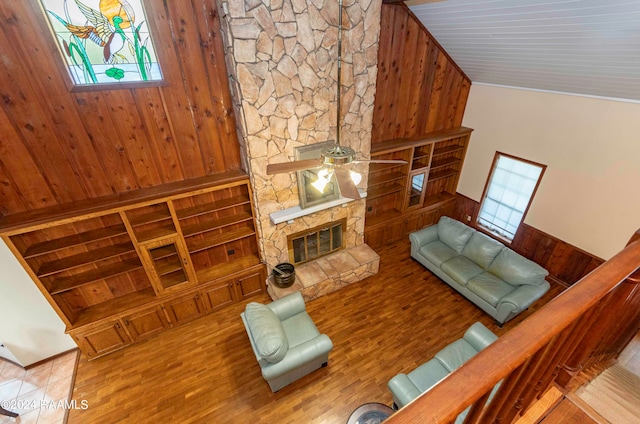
589	47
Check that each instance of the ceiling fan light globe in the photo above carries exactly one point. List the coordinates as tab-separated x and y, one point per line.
320	184
324	176
355	177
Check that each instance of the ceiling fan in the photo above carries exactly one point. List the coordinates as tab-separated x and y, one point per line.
332	160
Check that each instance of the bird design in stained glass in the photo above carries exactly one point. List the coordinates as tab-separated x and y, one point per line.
105	28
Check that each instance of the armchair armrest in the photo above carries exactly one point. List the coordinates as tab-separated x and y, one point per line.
403	389
298	356
288	306
423	236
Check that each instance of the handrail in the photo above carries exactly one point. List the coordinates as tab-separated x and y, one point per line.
443	402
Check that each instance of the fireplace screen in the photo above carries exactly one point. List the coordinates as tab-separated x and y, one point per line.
316	242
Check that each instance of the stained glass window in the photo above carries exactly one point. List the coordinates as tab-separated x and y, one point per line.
103	41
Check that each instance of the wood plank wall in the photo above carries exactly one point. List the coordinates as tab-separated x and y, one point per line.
419	87
58	147
566	263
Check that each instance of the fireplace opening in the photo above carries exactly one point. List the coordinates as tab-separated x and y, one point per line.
316	242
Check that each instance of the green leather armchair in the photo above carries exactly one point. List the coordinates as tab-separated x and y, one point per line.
285	340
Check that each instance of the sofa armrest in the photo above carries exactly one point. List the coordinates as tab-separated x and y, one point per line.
422	237
298	356
288	306
403	389
479	336
524	296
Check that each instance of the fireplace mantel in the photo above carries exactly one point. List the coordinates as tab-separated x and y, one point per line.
289	214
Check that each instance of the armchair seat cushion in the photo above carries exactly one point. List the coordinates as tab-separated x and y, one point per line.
299	329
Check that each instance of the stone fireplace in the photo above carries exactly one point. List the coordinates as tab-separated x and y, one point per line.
282	59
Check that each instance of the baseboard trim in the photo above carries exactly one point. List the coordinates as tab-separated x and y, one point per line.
35	364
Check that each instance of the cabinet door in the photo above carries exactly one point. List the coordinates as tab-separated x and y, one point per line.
416	190
219	295
146	323
393	231
374	237
251	285
413	222
185	309
168	264
101	339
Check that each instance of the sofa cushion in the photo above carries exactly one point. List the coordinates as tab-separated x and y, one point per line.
489	287
267	332
454	233
461	269
482	249
455	354
428	374
437	252
516	269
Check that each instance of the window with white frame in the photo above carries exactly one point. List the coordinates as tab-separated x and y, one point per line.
508	194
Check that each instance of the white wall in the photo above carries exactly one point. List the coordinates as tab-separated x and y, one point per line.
29	327
590	193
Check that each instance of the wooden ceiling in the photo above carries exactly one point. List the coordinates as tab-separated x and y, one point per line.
58	146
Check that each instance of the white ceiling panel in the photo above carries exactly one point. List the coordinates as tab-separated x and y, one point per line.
589	47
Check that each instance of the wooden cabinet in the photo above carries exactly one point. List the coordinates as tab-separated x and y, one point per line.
220	295
185	308
101	339
242	286
405	197
168	264
250	285
120	259
146	323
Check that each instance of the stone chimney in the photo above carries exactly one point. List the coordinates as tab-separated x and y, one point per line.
282	59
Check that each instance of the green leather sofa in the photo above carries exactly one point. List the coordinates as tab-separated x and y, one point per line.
407	387
495	278
284	339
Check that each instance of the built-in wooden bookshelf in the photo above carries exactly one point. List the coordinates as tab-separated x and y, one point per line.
402	198
123	268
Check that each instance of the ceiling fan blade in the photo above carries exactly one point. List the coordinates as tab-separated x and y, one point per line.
347	187
380	161
298	165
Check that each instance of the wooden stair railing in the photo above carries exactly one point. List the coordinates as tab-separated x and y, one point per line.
589	323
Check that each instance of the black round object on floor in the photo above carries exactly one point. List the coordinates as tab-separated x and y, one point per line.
370	413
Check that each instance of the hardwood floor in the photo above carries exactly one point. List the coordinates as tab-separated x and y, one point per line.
205	371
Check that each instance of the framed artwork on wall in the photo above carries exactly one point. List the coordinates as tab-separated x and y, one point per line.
103	42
